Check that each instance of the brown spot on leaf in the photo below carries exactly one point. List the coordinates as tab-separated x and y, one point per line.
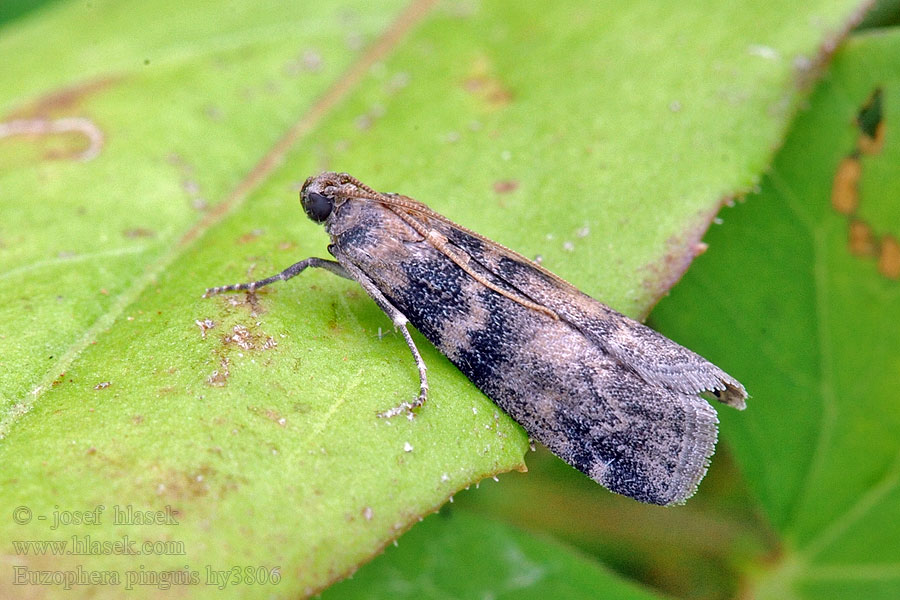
204	325
253	302
250	236
889	257
202	481
484	84
247	300
219	377
59	380
244	340
139	232
270	414
241	337
65	100
860	239
505	186
845	190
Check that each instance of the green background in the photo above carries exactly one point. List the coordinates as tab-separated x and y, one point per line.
603	137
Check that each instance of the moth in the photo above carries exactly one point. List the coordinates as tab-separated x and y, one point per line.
610	396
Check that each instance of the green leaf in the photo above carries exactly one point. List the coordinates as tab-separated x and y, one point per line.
498	561
800	301
149	150
700	550
15	9
883	13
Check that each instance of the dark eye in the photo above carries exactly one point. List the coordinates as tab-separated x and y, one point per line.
317	206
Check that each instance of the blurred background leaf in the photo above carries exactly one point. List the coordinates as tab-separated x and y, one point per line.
820	335
798	294
455	554
603	137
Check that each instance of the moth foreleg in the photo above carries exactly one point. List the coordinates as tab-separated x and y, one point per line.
399	320
407	407
291	271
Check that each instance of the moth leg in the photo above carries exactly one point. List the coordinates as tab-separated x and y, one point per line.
291	271
407	407
399	320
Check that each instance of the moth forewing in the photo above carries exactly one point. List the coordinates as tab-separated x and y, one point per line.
657	358
612	397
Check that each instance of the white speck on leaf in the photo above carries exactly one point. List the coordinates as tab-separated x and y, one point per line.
761	51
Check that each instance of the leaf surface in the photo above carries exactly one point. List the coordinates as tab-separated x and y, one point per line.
151	149
816	336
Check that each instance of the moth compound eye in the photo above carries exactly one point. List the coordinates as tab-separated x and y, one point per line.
317	206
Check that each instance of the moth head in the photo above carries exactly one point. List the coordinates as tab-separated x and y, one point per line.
318	196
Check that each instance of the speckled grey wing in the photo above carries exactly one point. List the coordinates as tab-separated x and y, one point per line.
644	441
656	358
633	419
570	388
